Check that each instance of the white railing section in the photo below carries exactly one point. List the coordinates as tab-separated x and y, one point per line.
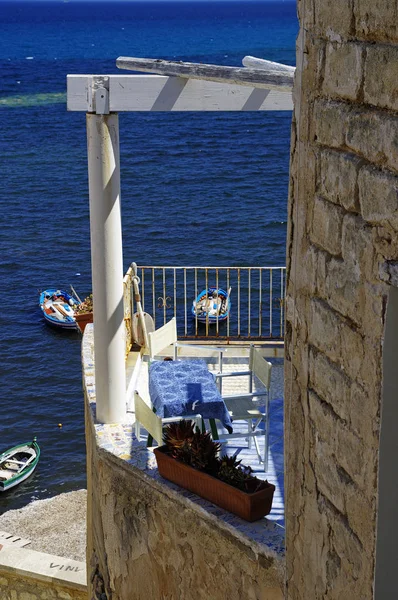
257	300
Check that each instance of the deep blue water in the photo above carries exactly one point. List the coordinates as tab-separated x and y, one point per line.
196	188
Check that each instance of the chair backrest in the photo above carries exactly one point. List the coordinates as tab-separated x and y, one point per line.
148	419
162	337
260	367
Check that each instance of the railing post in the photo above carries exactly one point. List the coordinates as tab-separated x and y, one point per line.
107	266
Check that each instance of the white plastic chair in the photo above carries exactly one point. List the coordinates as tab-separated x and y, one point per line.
151	422
247	406
166	336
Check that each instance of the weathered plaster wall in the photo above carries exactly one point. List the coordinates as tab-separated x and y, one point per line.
148	544
342	247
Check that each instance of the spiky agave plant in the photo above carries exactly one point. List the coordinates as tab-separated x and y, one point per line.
177	435
232	472
191	447
204	452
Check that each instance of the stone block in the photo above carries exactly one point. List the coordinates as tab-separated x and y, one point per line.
373	308
325	421
326	470
330	120
357	248
352	350
344	289
354	456
316	261
370	374
364	413
324	329
378	196
309	547
340	458
27	596
336	337
333	20
62	595
361	515
376	20
348	450
343	70
314	65
323	260
386	246
374	136
326	226
330	383
356	567
310	273
380	79
338	178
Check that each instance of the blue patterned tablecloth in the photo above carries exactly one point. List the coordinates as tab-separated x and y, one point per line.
186	387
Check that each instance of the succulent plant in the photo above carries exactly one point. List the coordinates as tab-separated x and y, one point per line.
191	447
176	435
232	472
204	452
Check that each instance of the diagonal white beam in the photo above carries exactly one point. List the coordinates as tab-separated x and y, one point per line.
268	78
267	65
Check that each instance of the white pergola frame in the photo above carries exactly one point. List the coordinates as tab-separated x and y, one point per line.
102	98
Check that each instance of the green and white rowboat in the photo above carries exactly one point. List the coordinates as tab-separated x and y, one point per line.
17	464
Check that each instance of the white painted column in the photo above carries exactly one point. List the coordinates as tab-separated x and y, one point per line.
107	266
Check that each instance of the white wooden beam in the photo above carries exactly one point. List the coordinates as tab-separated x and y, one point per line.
161	93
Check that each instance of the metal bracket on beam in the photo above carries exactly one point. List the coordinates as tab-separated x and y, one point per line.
100	94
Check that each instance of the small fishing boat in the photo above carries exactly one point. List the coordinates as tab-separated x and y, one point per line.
212	305
17	464
58	308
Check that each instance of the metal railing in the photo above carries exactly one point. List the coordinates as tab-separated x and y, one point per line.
257	300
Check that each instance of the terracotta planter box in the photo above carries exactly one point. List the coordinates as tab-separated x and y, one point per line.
250	507
83	319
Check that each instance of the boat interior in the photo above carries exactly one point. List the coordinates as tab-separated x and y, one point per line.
10	466
212	304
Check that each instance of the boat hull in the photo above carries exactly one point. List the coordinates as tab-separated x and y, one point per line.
57	308
204	315
32	453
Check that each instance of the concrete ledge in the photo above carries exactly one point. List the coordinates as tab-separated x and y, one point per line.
46	568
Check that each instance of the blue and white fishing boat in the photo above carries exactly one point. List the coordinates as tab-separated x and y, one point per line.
58	308
18	463
212	305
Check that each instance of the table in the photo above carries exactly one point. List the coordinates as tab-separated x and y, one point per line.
186	387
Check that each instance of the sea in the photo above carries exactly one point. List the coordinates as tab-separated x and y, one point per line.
196	188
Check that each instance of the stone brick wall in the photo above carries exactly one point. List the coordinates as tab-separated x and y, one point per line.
342	245
13	586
